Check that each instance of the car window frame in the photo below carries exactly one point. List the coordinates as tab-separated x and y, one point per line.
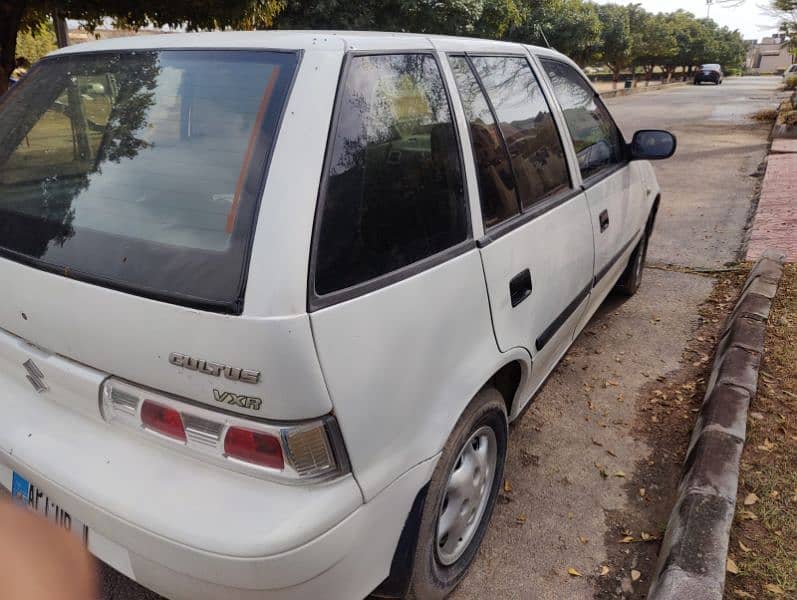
261	176
604	172
316	301
491	108
548	203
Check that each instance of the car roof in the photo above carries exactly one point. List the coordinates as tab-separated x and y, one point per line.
298	40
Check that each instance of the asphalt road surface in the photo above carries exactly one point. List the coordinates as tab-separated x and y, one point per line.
556	498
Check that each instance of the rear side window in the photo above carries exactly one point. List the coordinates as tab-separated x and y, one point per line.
393	191
141	170
538	159
497	188
598	142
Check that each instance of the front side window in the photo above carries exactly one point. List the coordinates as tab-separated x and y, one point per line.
497	188
393	192
525	119
598	142
141	170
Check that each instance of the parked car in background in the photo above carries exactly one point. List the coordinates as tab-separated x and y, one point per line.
711	73
791	71
262	333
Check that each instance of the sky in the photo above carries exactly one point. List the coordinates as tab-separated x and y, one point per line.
749	18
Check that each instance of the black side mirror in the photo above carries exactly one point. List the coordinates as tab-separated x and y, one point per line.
653	144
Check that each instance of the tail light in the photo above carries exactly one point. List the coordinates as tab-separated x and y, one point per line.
295	452
163	420
254	447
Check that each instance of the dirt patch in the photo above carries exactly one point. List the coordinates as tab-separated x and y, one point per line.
764	536
666	409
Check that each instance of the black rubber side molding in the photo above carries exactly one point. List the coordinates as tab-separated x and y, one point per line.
551	330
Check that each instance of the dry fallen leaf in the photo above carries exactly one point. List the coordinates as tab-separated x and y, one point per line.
635	575
750	499
627	540
743	547
619	474
774	589
767	446
646	537
641	492
521	518
746	515
742	594
604	571
611	453
507	486
583	540
573	572
731	566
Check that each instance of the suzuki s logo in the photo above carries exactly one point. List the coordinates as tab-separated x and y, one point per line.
35	376
215	369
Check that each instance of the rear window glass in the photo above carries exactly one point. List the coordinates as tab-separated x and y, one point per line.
141	170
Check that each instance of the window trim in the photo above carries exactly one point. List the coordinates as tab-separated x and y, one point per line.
525	56
604	172
546	203
236	307
316	301
504	145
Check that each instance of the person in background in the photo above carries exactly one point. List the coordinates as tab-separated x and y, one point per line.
39	561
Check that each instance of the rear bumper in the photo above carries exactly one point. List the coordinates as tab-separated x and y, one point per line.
190	530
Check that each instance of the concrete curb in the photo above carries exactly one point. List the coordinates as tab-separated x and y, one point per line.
695	547
641	89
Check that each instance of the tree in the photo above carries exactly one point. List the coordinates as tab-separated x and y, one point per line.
30	15
617	42
37	42
660	45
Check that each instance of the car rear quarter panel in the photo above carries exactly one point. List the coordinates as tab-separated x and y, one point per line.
403	362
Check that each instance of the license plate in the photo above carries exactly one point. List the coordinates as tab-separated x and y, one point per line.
34	498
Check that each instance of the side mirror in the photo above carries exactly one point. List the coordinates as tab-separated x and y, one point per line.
653	144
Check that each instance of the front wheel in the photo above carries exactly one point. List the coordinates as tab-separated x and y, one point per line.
631	279
461	498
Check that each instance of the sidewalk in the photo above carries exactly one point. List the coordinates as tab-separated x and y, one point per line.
775	224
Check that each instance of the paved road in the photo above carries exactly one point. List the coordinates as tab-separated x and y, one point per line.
557	496
707	186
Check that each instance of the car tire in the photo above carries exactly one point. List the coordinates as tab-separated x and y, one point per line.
477	444
631	279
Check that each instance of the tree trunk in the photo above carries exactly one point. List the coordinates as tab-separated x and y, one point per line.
615	76
633	75
11	12
648	74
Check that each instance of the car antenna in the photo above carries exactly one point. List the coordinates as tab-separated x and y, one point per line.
545	39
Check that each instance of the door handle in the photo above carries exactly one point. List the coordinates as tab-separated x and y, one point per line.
520	287
604	220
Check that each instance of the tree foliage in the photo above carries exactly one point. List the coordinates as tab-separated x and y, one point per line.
622	37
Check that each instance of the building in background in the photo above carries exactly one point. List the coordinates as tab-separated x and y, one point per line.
770	55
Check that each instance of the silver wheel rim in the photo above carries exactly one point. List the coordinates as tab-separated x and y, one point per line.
466	495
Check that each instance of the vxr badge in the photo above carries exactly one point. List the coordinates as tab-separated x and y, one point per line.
237	400
35	376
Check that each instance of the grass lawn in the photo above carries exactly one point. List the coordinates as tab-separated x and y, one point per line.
764	536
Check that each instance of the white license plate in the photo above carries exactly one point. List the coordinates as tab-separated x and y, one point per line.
25	493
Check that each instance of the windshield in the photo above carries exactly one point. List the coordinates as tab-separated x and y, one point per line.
710	67
141	170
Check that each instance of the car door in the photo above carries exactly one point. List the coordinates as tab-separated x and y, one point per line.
607	179
537	249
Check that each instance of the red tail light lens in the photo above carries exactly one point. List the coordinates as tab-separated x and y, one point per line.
254	447
162	419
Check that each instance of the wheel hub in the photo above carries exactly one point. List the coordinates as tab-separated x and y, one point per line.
466	495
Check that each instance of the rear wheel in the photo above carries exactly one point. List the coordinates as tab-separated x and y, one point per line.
461	498
631	279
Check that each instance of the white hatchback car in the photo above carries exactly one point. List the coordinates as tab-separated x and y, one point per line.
270	299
